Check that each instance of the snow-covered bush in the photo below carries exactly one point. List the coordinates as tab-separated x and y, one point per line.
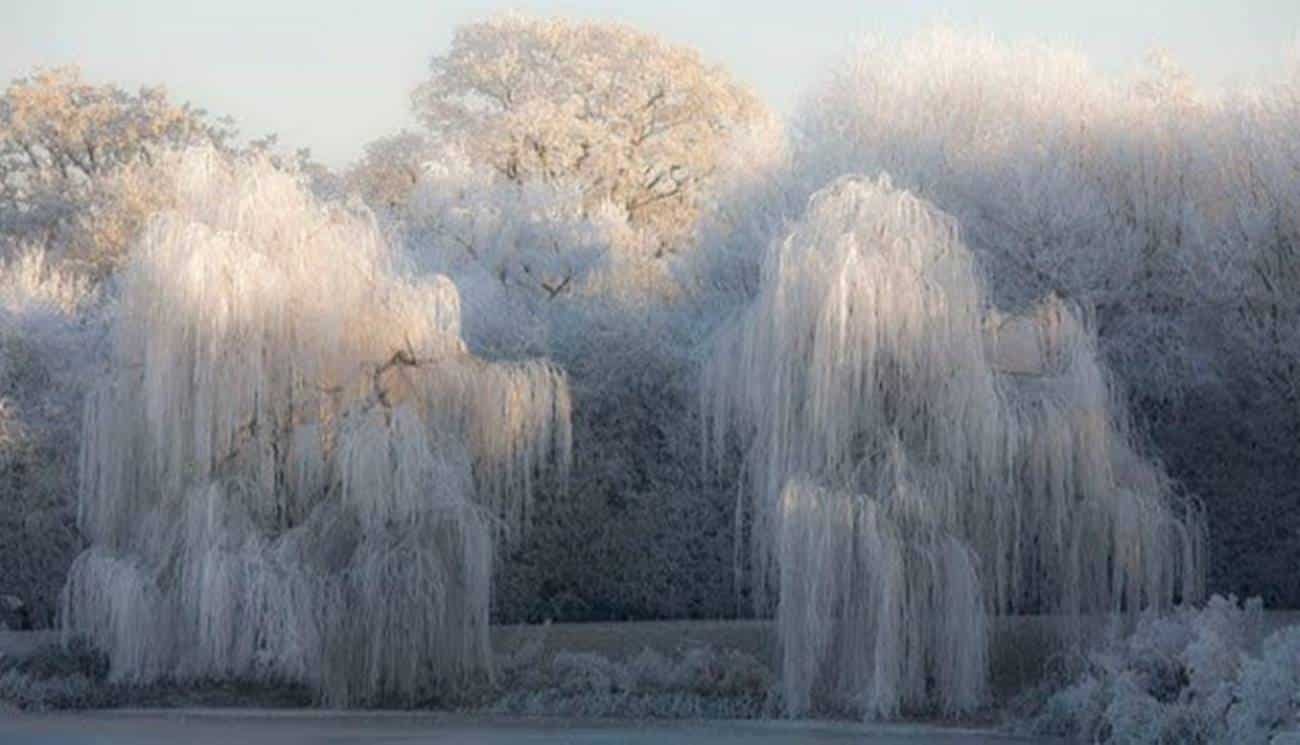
1196	676
54	677
699	683
1267	694
910	469
293	468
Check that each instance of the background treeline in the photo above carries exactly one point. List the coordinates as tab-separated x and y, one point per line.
602	198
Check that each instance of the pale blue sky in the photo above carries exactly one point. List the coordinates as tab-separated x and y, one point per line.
334	75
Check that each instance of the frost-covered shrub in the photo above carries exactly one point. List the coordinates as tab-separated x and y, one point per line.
75	675
915	463
701	682
294	469
55	677
1196	676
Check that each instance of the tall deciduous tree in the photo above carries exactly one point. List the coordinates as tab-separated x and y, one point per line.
917	461
63	139
293	468
636	120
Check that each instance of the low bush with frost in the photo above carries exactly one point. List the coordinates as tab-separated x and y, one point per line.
55	677
1196	676
75	675
699	683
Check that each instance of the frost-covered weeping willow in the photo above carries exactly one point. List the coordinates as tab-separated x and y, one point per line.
293	469
917	461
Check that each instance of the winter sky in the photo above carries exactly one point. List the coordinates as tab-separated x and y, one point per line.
332	74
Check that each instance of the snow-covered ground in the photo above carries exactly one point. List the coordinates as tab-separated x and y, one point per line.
199	727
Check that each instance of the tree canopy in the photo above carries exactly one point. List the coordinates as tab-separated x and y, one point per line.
638	121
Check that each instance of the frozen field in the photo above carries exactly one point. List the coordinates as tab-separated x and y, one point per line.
304	728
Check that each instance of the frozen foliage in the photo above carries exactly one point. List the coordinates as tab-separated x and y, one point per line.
700	683
914	466
293	468
61	136
49	332
76	676
632	119
757	190
389	169
640	533
519	245
52	677
30	288
1161	209
532	237
1196	676
1065	180
691	681
1146	200
555	222
289	411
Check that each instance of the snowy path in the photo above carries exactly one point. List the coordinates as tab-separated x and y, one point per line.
312	728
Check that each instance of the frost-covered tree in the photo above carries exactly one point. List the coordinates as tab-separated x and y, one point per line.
531	236
293	468
917	461
389	169
60	136
1065	180
517	247
632	119
1158	208
1257	234
640	532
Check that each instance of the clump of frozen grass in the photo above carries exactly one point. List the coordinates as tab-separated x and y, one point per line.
294	469
910	470
1195	676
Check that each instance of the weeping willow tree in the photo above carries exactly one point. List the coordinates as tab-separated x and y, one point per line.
917	462
293	469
